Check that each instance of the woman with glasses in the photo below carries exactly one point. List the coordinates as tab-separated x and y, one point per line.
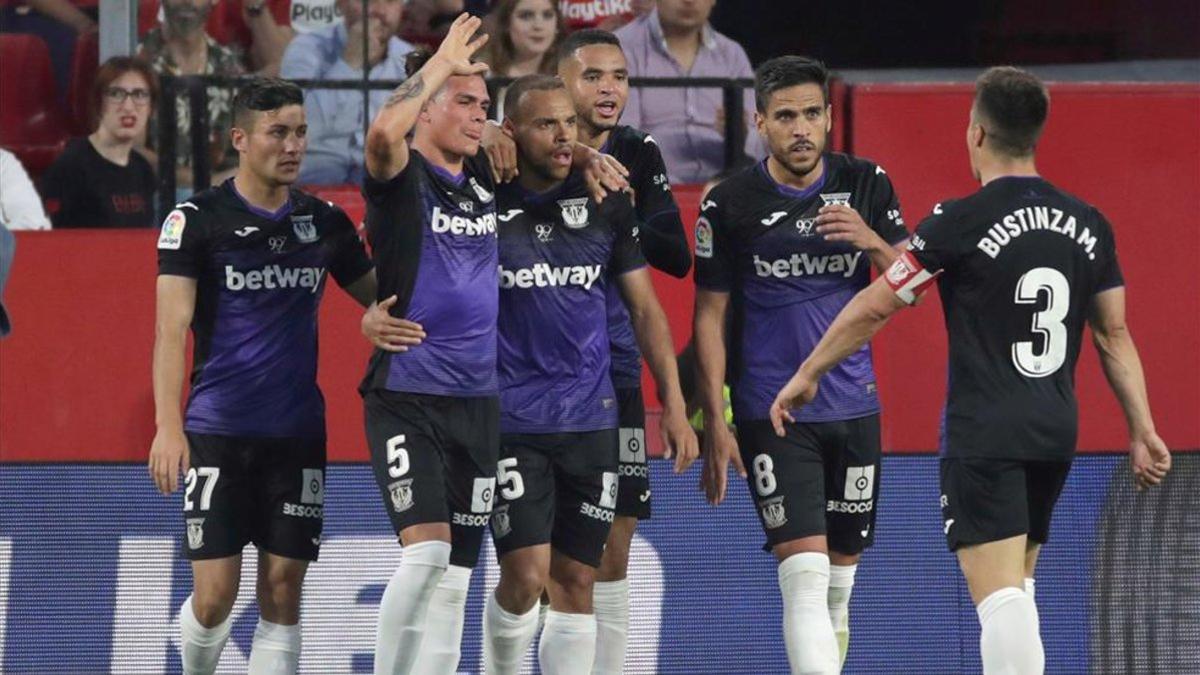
100	180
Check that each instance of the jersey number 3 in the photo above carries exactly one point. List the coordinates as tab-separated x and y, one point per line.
1048	323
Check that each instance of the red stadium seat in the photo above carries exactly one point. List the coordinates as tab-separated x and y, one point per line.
31	124
84	64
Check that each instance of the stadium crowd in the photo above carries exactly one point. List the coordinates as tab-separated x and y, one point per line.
95	165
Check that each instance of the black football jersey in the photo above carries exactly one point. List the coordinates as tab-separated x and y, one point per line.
758	240
1019	262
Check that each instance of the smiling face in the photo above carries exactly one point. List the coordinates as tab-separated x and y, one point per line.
533	27
796	126
273	146
597	78
125	107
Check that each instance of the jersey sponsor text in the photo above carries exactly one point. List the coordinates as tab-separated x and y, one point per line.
543	275
802	265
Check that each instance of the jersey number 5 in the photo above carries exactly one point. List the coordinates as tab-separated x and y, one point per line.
1048	323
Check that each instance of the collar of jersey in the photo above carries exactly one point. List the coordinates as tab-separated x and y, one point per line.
791	192
278	214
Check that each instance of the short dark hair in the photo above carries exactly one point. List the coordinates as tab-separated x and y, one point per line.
585	38
416	60
111	70
262	94
528	83
1013	105
782	72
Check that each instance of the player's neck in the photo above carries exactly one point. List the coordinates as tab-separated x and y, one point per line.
451	162
592	137
534	181
784	176
259	194
110	148
992	168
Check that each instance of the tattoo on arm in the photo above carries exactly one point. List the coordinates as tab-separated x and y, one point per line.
410	89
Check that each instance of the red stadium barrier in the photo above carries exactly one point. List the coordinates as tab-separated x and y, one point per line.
75	373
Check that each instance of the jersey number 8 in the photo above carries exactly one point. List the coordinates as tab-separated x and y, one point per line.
764	475
1048	323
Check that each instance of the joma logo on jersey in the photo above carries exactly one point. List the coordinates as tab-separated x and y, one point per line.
804	265
272	277
458	225
543	275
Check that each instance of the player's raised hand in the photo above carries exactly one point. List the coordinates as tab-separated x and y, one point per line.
720	448
386	331
602	173
1149	459
679	439
168	457
799	390
838	222
457	47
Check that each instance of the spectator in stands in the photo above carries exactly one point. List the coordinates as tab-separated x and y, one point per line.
524	38
603	14
181	47
264	28
101	180
57	22
675	40
20	206
335	117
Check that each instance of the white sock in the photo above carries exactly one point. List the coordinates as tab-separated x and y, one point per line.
1008	641
1030	587
404	605
611	602
200	647
807	630
275	650
506	637
568	644
440	648
841	582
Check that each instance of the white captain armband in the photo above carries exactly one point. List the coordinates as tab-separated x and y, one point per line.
908	278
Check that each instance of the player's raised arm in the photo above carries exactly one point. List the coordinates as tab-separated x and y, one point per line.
387	149
654	338
1148	454
176	302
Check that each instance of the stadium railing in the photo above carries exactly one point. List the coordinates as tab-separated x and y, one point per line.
195	88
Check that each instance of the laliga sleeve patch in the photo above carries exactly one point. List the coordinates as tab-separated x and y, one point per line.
171	236
908	278
704	238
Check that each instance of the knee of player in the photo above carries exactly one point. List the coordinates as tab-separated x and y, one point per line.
575	579
279	593
212	603
527	581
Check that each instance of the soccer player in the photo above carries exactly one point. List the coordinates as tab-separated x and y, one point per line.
432	411
1021	266
787	243
592	65
557	477
244	264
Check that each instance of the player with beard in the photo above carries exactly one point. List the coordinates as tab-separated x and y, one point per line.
1021	266
557	479
592	66
244	265
785	244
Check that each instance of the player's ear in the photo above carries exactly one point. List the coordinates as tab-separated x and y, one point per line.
828	117
238	135
507	125
760	122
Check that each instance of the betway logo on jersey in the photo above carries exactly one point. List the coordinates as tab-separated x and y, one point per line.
272	277
544	275
472	227
805	265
